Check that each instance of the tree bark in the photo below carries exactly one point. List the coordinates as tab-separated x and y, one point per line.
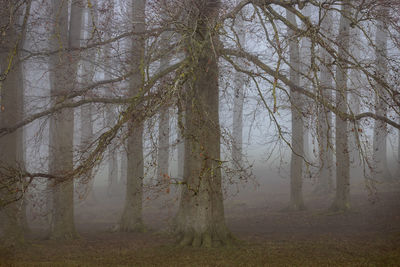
131	220
11	111
305	67
342	199
89	71
200	219
163	126
324	183
297	144
354	103
63	75
380	169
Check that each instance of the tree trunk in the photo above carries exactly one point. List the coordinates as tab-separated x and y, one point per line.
181	142
305	67
131	219
324	124
200	220
354	103
296	163
163	126
11	88
163	145
89	70
342	199
380	169
238	100
63	74
112	153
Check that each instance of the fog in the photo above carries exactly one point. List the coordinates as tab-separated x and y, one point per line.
199	133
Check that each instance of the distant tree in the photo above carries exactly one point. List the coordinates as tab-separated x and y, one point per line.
342	198
324	183
66	33
296	101
131	220
380	167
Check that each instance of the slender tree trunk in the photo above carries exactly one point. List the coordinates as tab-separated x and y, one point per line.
181	142
305	66
324	125
200	220
11	111
131	219
63	77
89	71
354	103
238	100
296	163
163	144
112	154
380	169
123	166
163	127
342	199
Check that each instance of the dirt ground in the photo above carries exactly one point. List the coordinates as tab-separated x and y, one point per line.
368	235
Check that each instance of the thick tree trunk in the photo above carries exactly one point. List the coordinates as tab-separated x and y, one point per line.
296	163
380	169
238	100
342	199
11	102
63	74
200	220
131	219
324	183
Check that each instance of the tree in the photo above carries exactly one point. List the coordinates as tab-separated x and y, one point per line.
11	87
64	67
131	220
200	219
342	198
356	85
89	71
380	168
297	144
324	124
163	124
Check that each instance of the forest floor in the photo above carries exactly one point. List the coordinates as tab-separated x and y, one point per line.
368	235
